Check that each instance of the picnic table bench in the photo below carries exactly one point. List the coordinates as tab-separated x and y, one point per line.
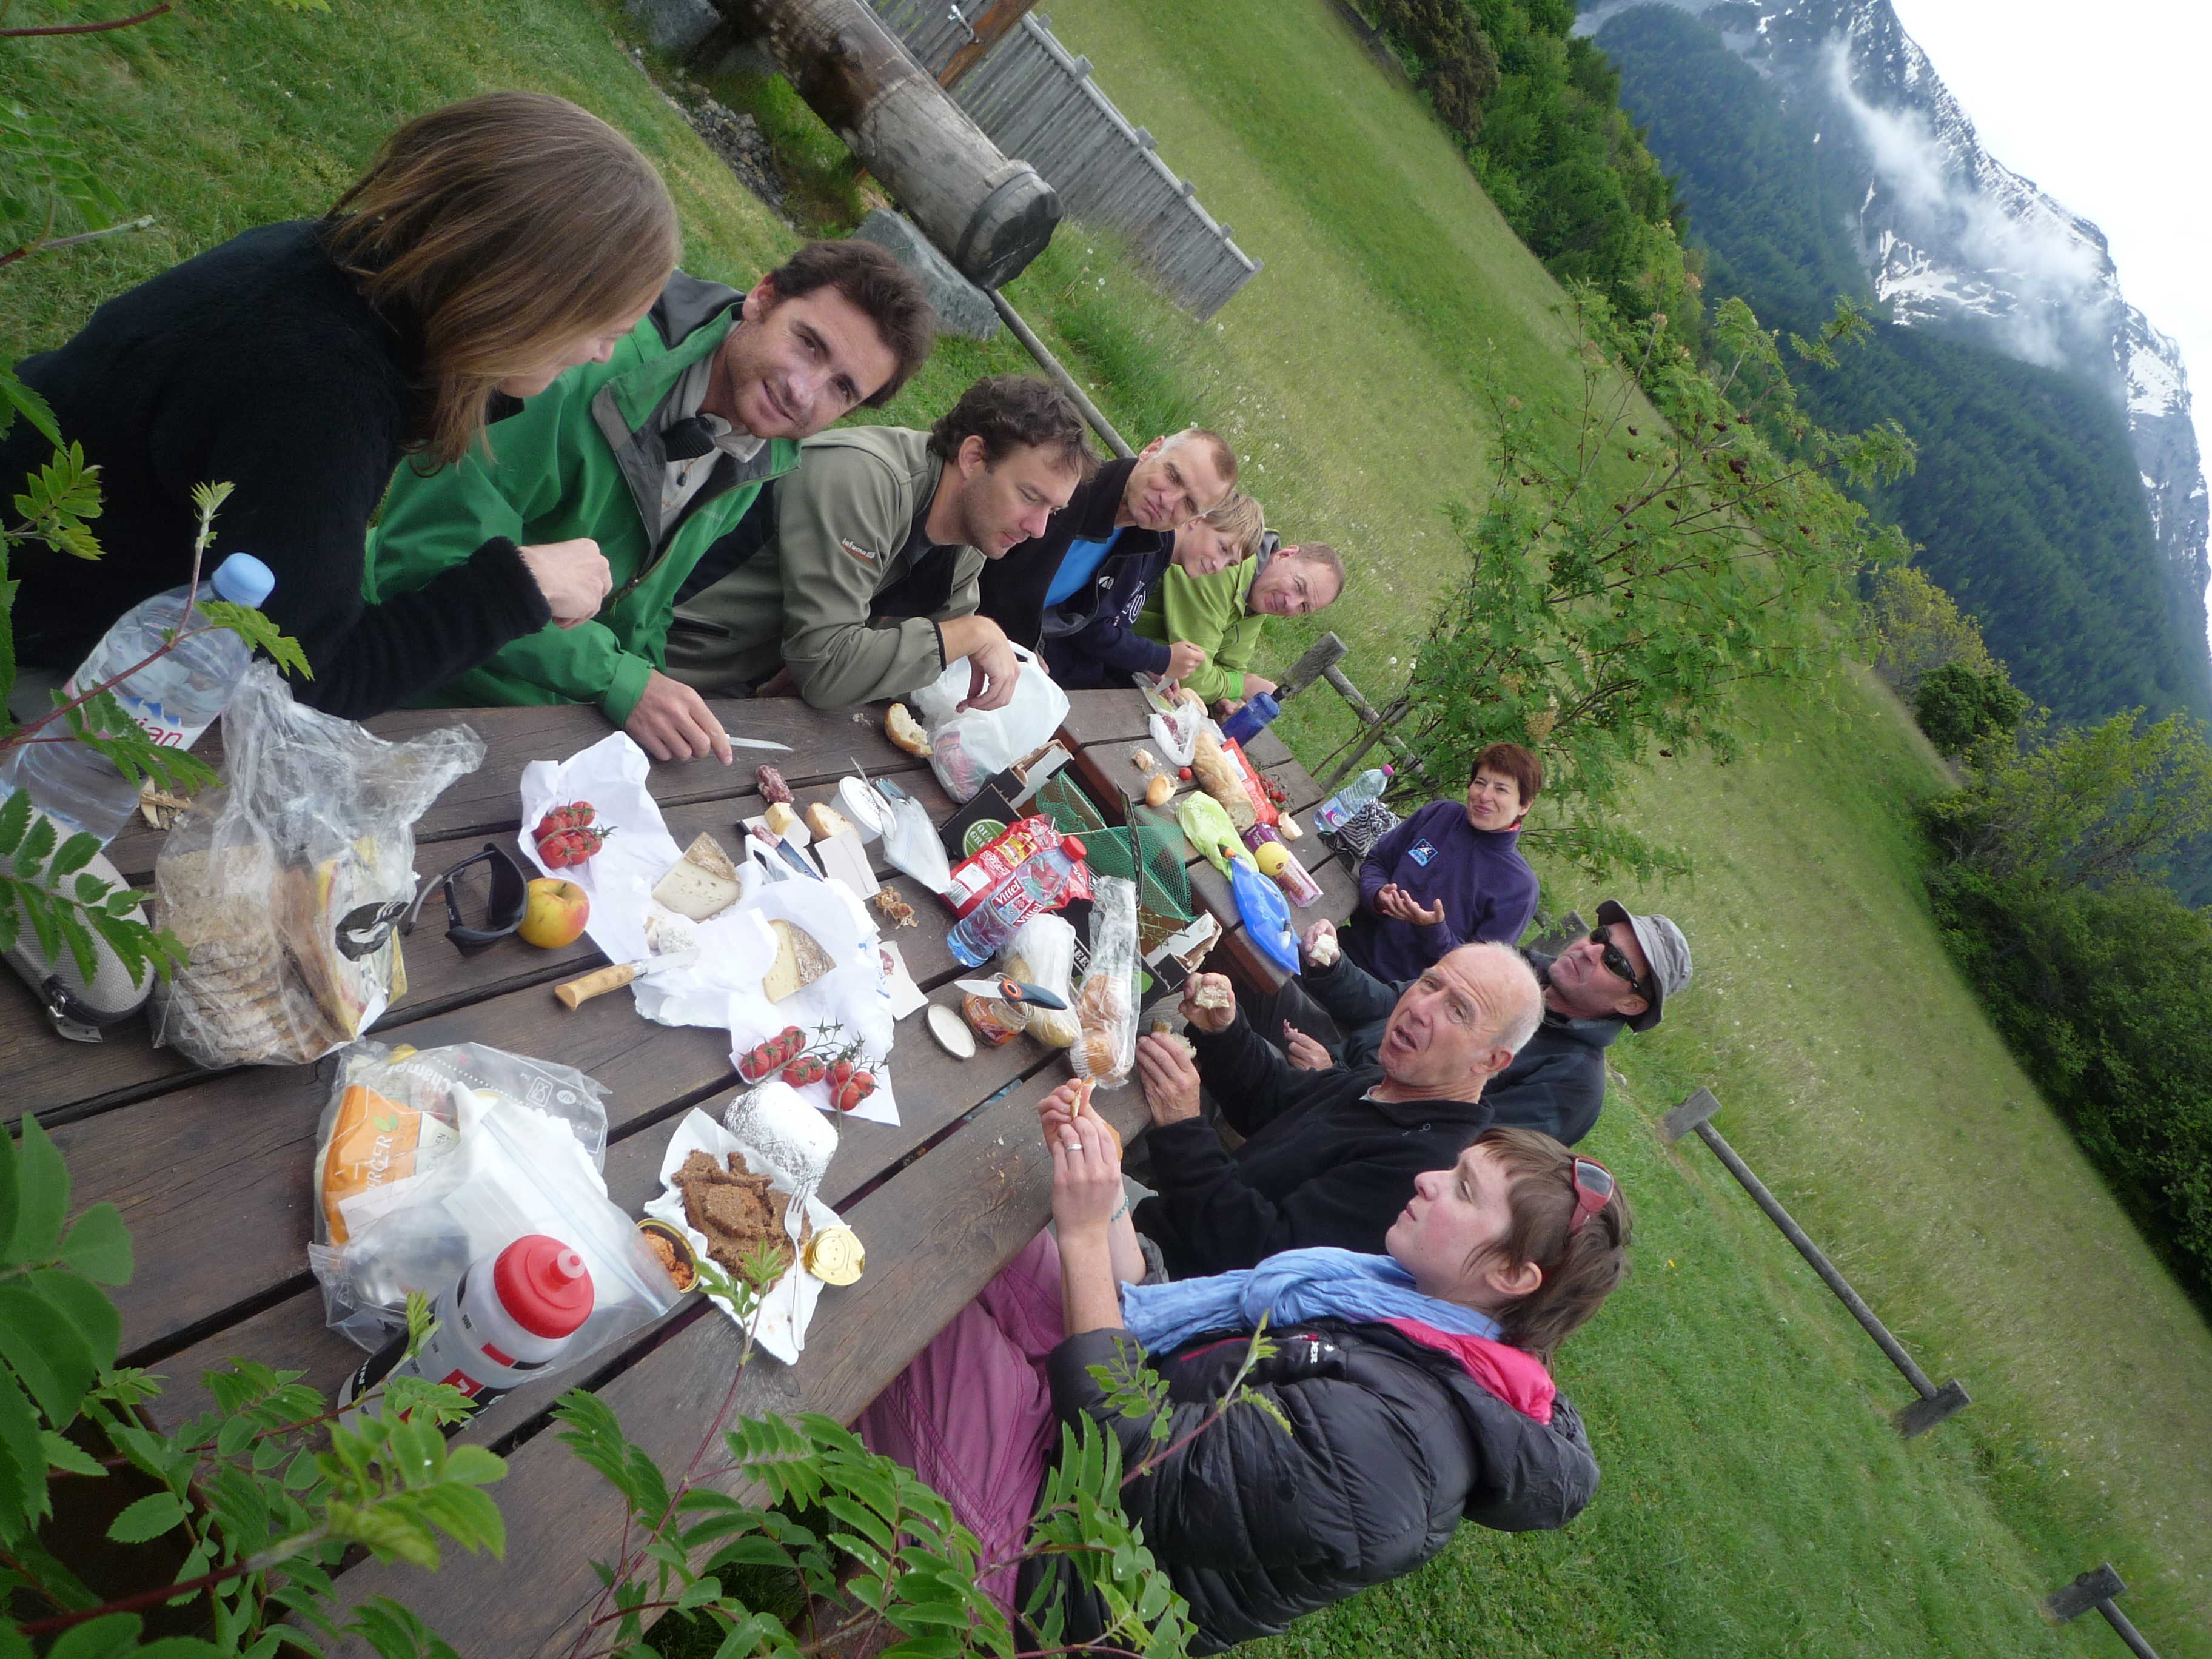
212	1169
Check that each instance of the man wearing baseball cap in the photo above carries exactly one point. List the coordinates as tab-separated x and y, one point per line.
1620	974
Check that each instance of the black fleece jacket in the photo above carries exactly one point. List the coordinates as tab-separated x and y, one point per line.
1391	1445
1091	640
1012	589
1322	1164
258	363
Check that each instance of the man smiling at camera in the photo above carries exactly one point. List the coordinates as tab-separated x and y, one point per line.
654	454
1330	1157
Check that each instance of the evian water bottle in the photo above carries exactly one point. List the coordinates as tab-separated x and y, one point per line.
174	698
510	1317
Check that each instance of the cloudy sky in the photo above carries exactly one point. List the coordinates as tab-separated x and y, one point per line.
2104	109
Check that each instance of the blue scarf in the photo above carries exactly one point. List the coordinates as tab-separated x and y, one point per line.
1287	1290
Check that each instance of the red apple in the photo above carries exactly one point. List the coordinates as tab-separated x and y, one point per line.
556	912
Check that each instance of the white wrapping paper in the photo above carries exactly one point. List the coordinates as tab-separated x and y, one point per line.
788	1307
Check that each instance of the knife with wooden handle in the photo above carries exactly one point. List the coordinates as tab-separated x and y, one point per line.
578	992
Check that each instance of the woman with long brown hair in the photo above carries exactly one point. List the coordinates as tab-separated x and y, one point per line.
492	243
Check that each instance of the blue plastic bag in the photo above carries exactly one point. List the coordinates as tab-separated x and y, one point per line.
1266	914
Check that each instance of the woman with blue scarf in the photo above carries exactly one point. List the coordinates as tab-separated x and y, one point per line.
1414	1384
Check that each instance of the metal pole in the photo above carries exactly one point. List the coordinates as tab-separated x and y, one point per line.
1050	364
2128	1632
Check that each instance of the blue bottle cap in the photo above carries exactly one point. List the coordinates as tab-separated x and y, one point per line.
244	580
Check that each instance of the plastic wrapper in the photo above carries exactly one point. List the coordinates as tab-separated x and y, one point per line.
1206	825
911	844
966	748
1220	777
1007	869
1106	1005
1266	914
429	1160
1177	732
1042	953
286	886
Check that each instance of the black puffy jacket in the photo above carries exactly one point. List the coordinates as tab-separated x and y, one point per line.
1392	1444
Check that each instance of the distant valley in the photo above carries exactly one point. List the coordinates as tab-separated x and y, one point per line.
2060	495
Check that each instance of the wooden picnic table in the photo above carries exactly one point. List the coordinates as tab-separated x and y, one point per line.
212	1169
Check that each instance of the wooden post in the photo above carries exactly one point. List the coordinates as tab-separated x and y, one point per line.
987	25
1323	655
2097	1589
1694	1116
988	215
1050	364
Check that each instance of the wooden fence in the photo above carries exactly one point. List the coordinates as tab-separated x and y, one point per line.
1037	103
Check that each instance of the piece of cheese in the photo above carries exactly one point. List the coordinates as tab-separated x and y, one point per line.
696	893
825	820
704	882
799	960
781	817
711	856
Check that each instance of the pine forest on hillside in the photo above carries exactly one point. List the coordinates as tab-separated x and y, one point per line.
2025	500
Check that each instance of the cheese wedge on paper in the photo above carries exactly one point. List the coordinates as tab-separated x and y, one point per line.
703	884
799	960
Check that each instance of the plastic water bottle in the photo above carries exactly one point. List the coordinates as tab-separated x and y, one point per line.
1251	719
1340	807
509	1318
174	698
1039	885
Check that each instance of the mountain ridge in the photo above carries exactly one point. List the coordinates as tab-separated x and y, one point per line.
1949	238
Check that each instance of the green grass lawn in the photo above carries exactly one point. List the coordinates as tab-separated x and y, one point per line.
1756	1500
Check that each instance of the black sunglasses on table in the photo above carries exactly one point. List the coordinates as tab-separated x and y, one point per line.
472	919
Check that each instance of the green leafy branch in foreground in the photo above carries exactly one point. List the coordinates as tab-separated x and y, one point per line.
853	1546
257	1498
1603	617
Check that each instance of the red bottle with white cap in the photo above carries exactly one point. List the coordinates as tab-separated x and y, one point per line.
511	1317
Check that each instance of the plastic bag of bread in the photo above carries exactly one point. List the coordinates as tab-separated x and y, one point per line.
1042	953
1219	777
1106	1004
966	747
284	884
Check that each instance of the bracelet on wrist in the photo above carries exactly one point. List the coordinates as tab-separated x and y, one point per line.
1119	1213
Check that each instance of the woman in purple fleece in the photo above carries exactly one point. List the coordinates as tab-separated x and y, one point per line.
1451	874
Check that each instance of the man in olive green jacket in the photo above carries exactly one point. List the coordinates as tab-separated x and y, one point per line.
858	572
655	452
1225	614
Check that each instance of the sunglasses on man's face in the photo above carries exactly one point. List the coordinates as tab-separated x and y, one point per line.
1593	1191
478	911
1616	960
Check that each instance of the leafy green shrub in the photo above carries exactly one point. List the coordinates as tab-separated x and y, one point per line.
2104	993
1959	707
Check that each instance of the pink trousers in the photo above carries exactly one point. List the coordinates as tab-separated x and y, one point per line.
973	1416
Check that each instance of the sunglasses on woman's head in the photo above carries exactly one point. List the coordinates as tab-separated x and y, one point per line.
1593	1191
473	918
1616	960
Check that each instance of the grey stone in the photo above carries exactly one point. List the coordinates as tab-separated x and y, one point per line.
676	25
962	307
737	139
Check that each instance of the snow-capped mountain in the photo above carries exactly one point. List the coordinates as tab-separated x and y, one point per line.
1949	235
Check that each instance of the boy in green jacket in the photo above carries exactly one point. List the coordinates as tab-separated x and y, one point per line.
654	453
1225	614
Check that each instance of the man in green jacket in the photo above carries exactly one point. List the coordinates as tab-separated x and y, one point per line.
1224	614
654	453
858	572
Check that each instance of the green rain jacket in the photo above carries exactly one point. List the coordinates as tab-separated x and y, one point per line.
585	457
1208	612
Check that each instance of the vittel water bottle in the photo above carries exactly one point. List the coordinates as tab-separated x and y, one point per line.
1338	809
174	698
1000	912
510	1317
